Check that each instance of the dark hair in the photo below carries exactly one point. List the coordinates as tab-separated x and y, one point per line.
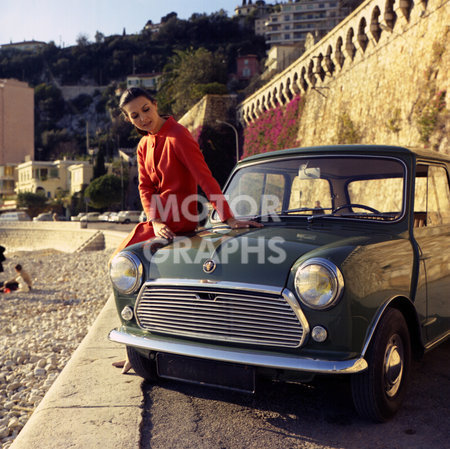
18	267
131	94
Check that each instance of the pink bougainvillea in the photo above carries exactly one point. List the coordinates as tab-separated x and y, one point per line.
275	129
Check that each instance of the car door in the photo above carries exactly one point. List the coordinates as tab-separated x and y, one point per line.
432	234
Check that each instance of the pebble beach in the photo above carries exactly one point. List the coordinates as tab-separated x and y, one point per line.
40	329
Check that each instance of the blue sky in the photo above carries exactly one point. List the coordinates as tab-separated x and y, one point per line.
62	21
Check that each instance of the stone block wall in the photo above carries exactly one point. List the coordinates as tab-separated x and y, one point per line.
375	78
209	109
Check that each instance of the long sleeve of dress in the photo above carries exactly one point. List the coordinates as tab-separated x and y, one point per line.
146	186
190	155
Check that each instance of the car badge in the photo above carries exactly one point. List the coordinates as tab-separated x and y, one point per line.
209	266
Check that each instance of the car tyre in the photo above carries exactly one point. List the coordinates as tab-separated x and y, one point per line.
126	221
378	392
142	365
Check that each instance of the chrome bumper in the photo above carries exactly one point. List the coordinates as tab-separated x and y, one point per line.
243	356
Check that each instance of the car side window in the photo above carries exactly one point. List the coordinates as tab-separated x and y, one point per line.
432	196
438	197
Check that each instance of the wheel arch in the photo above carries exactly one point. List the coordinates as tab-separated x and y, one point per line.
406	307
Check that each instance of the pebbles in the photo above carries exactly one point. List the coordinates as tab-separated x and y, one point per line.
39	330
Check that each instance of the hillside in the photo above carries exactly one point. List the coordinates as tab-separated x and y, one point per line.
62	126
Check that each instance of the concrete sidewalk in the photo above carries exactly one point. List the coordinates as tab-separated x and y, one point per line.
90	405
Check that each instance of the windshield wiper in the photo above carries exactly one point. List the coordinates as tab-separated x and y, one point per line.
319	210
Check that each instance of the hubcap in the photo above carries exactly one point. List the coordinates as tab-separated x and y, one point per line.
393	365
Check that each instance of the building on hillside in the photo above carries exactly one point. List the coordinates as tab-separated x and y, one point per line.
16	131
32	46
291	22
51	177
279	57
252	9
247	67
147	81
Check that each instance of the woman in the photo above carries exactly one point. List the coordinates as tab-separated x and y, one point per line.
171	166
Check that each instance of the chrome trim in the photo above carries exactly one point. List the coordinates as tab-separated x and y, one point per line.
270	329
201	283
293	302
438	340
334	271
242	356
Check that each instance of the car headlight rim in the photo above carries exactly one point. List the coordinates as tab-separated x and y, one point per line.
136	281
335	277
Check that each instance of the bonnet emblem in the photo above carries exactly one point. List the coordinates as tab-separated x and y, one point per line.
209	266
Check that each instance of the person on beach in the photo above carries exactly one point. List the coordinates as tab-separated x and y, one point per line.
21	282
2	257
171	166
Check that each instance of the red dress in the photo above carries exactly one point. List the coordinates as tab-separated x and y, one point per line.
171	166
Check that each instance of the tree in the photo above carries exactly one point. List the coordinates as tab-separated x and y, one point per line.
185	76
82	40
99	164
34	202
104	191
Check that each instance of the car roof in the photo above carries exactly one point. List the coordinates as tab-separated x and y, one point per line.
382	150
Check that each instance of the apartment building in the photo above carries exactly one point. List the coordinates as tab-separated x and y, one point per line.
51	177
291	22
16	130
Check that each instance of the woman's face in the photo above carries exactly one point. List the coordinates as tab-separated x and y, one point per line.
143	114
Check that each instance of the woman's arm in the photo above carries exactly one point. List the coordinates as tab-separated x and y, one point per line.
191	156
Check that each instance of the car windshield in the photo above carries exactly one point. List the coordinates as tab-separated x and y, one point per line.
364	188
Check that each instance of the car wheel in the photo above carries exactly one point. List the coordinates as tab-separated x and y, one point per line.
142	365
127	221
378	392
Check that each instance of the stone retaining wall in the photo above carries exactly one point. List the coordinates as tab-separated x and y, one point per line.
67	237
375	78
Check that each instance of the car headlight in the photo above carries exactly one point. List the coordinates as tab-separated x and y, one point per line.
126	272
318	283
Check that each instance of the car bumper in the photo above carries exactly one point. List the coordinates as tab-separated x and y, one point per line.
243	356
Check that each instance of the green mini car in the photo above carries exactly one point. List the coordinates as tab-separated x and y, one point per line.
349	275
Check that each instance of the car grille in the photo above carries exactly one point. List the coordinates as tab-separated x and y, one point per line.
228	315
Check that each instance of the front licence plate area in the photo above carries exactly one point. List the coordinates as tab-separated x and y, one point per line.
206	372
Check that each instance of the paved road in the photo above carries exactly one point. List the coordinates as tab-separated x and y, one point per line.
111	226
281	416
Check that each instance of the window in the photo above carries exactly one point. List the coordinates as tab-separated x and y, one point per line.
312	193
388	197
432	195
255	189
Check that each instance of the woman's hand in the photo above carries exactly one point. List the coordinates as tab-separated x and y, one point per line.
162	230
236	224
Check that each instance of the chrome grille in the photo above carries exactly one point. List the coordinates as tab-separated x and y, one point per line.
219	314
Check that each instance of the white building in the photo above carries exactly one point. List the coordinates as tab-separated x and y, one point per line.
51	177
